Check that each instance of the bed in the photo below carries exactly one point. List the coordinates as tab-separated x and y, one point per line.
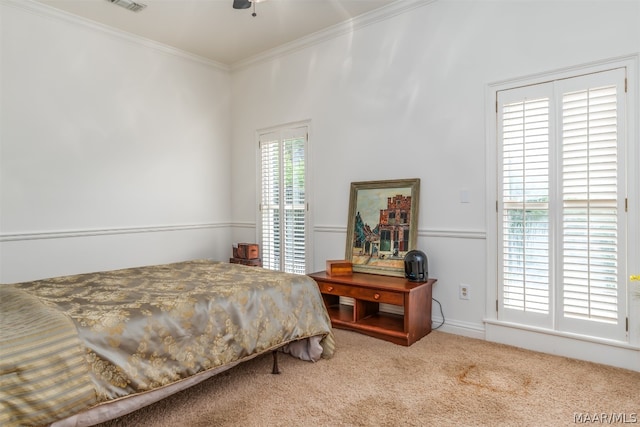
79	350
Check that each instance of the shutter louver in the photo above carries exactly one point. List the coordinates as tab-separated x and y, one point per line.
589	191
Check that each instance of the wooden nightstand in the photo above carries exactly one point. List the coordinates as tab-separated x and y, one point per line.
368	291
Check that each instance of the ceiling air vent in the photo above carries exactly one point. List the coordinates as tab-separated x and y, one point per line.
129	4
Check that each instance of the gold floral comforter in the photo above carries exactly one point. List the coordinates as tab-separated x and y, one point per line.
70	343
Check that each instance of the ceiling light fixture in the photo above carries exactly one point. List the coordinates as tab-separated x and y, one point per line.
246	4
129	4
241	4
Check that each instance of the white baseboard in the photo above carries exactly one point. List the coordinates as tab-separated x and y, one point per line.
466	329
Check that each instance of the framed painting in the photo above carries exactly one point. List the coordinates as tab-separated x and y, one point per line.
383	225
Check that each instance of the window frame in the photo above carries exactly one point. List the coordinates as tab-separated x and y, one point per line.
632	154
306	125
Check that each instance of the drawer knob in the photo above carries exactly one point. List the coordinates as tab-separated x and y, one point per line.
376	296
330	288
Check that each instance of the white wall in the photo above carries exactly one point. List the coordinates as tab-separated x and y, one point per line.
405	98
113	152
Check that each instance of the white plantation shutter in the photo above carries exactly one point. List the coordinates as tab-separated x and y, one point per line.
560	210
270	203
283	204
525	131
593	226
525	196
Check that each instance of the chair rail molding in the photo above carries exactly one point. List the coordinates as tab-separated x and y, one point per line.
424	232
62	234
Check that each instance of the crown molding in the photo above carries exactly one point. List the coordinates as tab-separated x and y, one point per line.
48	11
396	8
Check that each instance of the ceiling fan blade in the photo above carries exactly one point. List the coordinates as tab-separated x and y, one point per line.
241	4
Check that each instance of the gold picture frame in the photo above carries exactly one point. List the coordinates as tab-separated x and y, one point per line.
382	225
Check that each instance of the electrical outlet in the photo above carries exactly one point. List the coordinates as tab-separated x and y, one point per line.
464	291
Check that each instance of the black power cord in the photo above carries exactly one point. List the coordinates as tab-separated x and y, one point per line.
441	313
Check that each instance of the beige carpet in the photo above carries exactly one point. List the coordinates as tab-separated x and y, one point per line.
442	380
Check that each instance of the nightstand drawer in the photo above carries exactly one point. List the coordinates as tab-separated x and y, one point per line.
335	289
374	295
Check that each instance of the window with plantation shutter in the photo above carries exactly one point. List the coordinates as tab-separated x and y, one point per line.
283	203
561	194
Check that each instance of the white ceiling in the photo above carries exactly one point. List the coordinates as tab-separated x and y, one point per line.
214	30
